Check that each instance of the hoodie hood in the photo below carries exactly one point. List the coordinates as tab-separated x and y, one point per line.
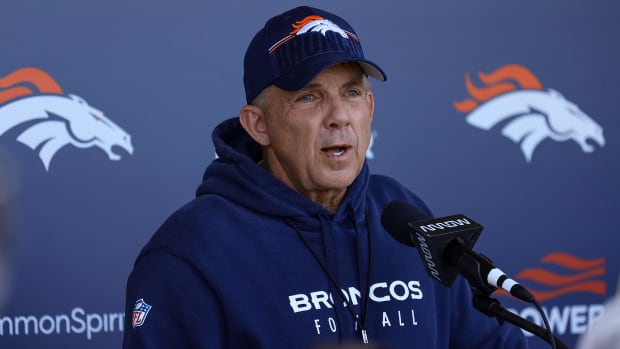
236	175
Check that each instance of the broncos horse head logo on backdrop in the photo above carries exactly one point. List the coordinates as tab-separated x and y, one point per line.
528	113
32	98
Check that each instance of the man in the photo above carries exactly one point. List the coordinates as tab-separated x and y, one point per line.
283	246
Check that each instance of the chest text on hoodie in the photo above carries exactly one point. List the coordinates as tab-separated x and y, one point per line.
379	292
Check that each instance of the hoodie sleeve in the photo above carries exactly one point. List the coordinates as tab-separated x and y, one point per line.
472	328
168	305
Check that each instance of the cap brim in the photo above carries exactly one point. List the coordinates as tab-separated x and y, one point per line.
301	75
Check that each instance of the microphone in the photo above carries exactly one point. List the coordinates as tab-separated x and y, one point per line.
445	248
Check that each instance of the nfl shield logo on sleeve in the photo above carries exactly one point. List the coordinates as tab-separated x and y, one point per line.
140	311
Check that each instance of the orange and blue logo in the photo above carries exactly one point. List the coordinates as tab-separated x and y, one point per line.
48	119
562	273
572	288
514	100
309	24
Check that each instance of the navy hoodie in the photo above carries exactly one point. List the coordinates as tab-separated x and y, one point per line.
250	263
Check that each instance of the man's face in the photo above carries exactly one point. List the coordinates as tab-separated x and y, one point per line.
318	136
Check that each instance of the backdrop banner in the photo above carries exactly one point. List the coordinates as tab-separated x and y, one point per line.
504	112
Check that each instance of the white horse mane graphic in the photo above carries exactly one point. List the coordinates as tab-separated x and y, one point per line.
52	120
322	26
310	24
529	115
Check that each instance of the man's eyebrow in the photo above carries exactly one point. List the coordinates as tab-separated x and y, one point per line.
310	86
354	82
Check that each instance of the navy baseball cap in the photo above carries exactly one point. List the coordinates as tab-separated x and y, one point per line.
295	46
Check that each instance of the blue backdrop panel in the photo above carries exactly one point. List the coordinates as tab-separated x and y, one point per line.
503	112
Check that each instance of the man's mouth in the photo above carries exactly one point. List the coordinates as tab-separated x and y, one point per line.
335	151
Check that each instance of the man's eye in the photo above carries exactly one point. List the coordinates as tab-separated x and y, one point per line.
307	98
353	93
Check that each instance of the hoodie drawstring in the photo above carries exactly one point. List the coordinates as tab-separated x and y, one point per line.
359	320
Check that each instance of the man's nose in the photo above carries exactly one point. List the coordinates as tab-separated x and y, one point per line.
338	114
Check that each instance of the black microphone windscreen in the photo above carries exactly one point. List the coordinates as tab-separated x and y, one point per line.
396	217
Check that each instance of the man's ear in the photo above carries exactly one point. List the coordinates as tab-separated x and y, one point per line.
252	119
371	101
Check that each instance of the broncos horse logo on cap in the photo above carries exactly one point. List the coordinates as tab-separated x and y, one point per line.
32	98
528	113
312	23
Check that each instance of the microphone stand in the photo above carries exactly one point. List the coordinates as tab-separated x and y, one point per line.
470	265
491	307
